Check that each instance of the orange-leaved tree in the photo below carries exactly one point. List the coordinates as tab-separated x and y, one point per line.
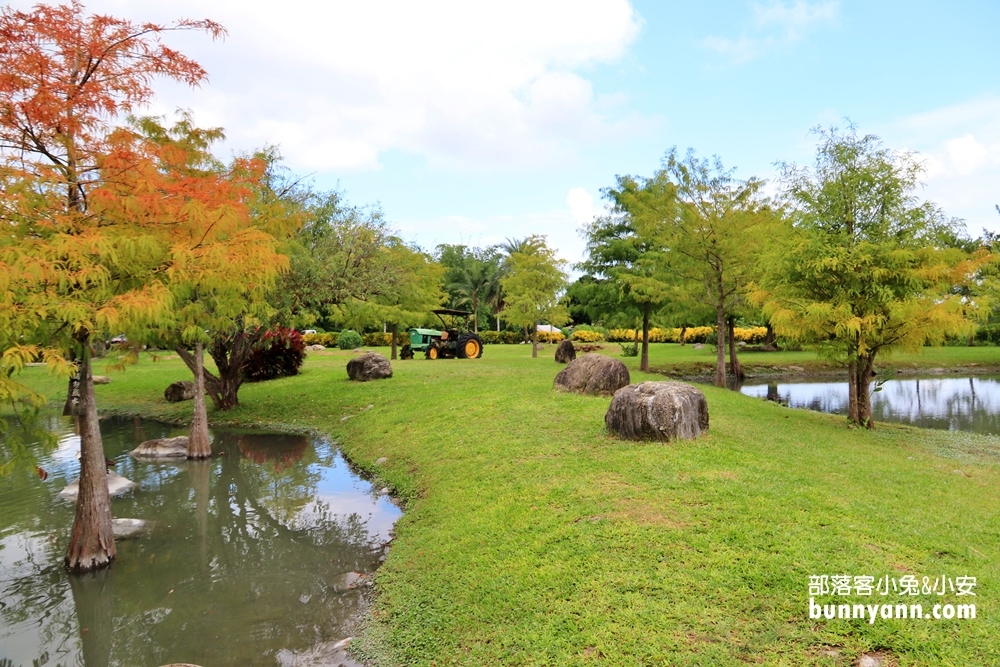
77	261
227	262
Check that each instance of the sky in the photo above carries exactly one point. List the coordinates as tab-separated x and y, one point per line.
474	122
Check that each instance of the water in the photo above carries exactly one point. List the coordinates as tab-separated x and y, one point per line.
246	562
957	404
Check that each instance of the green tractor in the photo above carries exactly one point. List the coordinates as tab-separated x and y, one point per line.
450	342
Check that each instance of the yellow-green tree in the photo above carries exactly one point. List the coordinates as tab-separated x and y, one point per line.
532	286
866	268
711	226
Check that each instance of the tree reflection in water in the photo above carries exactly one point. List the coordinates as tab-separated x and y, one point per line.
242	560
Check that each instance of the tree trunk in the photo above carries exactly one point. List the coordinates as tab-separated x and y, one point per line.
534	343
866	365
644	360
229	352
392	343
734	363
199	445
769	338
852	391
91	544
720	348
71	407
683	334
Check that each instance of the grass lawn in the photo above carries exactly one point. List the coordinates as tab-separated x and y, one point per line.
531	537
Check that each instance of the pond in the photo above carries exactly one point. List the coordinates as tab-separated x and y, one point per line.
950	403
254	557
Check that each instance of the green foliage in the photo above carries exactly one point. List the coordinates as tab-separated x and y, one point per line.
379	339
349	340
490	337
279	354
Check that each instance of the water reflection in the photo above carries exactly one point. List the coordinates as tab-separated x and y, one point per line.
242	561
962	404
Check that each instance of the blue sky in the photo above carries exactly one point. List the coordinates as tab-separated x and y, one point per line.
473	122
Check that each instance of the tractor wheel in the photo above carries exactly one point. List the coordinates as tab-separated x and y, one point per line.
470	347
432	352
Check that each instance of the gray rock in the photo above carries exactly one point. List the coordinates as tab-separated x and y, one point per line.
162	448
797	369
102	379
593	374
565	353
657	411
346	582
117	485
125	528
381	460
698	346
369	366
182	390
870	660
315	348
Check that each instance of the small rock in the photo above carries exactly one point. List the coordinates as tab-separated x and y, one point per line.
381	460
182	390
343	643
345	418
871	660
162	448
125	528
797	369
384	491
345	582
565	352
369	366
102	379
117	485
698	346
315	348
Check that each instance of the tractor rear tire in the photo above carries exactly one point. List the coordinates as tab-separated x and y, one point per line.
470	346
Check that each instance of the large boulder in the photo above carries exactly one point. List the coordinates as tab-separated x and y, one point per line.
369	366
117	485
162	448
593	374
657	411
182	390
565	353
316	347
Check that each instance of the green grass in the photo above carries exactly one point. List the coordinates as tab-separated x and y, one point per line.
531	537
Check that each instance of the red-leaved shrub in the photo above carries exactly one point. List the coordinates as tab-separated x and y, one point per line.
280	354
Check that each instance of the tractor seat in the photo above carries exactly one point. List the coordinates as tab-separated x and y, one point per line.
444	335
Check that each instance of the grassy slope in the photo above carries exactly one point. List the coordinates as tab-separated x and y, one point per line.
531	537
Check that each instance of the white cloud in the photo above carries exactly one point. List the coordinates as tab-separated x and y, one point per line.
338	84
581	206
560	226
960	148
775	24
796	19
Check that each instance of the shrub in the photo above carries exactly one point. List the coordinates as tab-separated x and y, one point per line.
551	336
490	337
324	339
348	340
987	334
750	334
280	354
511	337
629	349
586	336
377	339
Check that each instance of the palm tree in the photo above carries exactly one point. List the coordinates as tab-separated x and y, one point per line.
474	286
